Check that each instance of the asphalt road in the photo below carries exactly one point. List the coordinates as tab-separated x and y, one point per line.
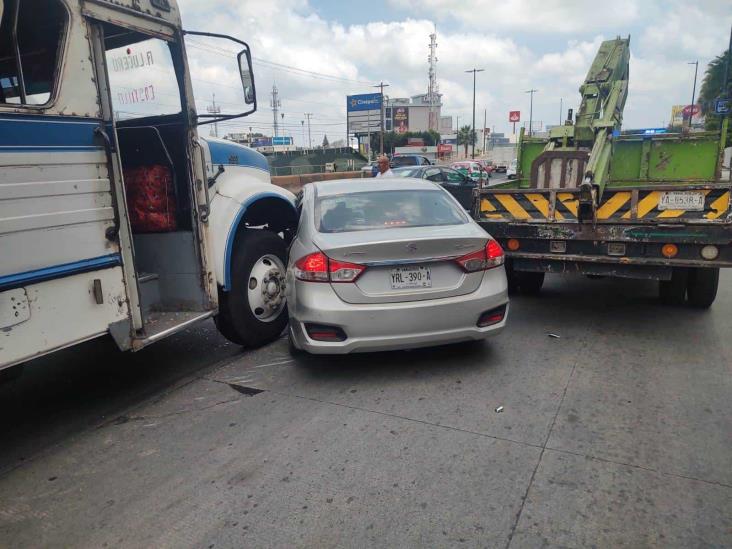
616	434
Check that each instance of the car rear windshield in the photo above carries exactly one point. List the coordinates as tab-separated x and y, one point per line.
366	211
399	161
406	172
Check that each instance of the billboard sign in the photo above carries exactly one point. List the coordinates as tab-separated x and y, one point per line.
400	116
680	113
363	102
262	142
514	116
363	113
282	140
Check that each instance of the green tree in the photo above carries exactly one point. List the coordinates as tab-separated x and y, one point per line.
712	88
325	142
466	137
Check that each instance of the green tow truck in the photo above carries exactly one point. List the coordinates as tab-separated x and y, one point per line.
593	200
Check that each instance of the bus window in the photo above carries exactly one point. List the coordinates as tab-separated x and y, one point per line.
31	39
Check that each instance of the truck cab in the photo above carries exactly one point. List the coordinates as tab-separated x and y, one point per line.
115	215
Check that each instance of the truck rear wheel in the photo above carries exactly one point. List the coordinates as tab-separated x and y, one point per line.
254	311
673	292
530	283
702	287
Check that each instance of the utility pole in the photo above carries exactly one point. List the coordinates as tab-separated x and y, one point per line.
433	87
531	110
213	109
310	141
485	127
561	100
381	87
693	90
275	104
302	124
472	140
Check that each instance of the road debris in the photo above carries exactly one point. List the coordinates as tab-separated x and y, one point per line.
499	409
555	336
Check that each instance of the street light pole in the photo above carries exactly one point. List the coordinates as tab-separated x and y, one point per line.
693	90
474	71
531	110
381	87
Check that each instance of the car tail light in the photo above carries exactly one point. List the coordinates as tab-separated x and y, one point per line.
481	260
342	271
318	267
321	332
312	268
494	316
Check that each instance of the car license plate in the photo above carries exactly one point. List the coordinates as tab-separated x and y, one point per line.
682	200
410	277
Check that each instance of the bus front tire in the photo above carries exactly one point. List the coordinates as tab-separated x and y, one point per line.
254	311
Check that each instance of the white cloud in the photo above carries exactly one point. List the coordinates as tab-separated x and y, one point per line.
538	16
552	52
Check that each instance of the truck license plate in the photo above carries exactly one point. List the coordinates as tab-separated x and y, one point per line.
411	277
682	200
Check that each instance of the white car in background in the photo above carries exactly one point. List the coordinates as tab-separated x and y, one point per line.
511	171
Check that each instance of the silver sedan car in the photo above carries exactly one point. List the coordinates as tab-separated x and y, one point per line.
390	263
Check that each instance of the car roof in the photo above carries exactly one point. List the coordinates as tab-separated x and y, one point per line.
340	186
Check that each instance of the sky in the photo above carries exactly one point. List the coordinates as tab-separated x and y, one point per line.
319	51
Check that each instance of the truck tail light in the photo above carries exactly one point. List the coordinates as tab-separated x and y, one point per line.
480	260
670	250
318	267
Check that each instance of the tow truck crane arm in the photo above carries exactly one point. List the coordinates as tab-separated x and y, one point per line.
586	143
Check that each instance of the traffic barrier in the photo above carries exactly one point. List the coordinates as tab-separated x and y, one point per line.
294	183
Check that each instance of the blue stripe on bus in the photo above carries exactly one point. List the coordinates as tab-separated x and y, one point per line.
8	282
35	133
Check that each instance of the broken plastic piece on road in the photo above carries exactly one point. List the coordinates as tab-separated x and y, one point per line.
499	409
555	336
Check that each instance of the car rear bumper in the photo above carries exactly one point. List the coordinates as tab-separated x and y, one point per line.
391	326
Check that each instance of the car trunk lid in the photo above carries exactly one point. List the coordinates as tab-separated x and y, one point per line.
407	264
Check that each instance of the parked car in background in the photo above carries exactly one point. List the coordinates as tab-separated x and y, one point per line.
370	168
392	263
458	185
501	167
511	171
471	169
487	165
400	160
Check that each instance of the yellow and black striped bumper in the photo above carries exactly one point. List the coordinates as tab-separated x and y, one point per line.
616	205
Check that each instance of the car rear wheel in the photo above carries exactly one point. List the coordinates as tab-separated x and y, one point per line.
673	292
702	287
254	311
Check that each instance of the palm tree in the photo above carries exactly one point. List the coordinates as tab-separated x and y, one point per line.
466	137
712	88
